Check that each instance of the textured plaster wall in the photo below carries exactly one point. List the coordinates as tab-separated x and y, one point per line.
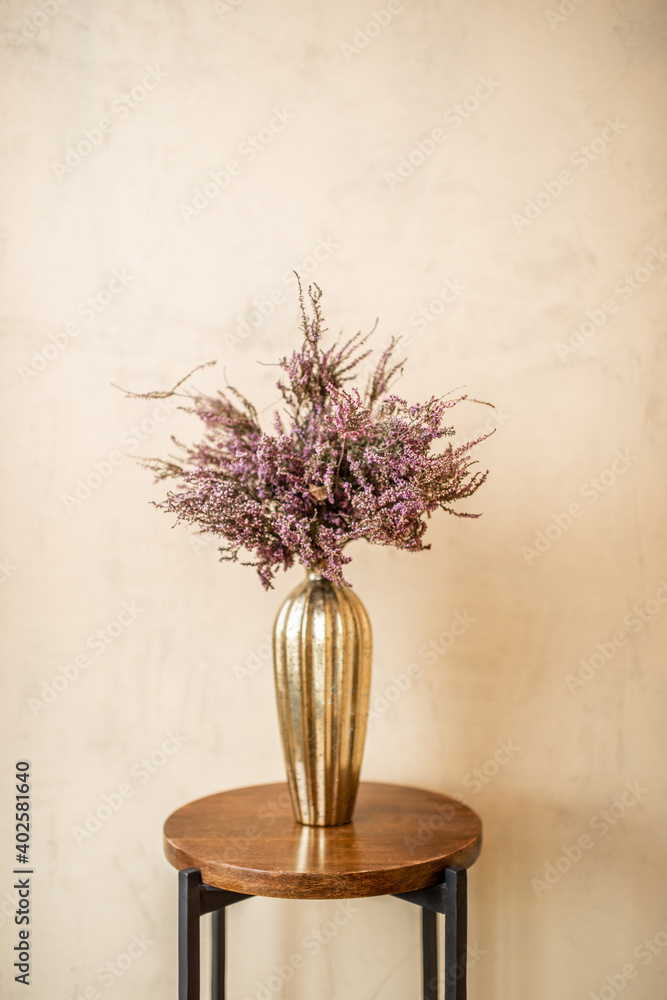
530	228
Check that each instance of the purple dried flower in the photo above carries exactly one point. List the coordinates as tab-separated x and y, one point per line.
340	465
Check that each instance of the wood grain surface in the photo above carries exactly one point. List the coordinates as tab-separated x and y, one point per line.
247	840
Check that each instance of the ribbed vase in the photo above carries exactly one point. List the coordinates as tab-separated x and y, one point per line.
322	649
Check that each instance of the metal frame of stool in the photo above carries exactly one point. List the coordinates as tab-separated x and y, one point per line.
449	896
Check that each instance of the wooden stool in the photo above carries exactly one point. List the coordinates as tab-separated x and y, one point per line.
404	842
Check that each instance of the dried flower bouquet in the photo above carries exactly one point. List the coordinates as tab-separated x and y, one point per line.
339	464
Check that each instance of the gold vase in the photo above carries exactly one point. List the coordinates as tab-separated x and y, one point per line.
322	648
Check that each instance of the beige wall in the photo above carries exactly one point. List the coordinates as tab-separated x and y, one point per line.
538	90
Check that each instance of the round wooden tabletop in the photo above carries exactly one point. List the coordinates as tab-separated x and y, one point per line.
247	840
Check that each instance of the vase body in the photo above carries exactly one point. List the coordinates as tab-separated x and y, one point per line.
322	649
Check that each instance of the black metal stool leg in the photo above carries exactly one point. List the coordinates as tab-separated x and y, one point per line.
430	953
194	900
189	881
456	923
449	897
218	955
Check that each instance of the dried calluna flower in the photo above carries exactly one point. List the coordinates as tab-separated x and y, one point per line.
339	466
